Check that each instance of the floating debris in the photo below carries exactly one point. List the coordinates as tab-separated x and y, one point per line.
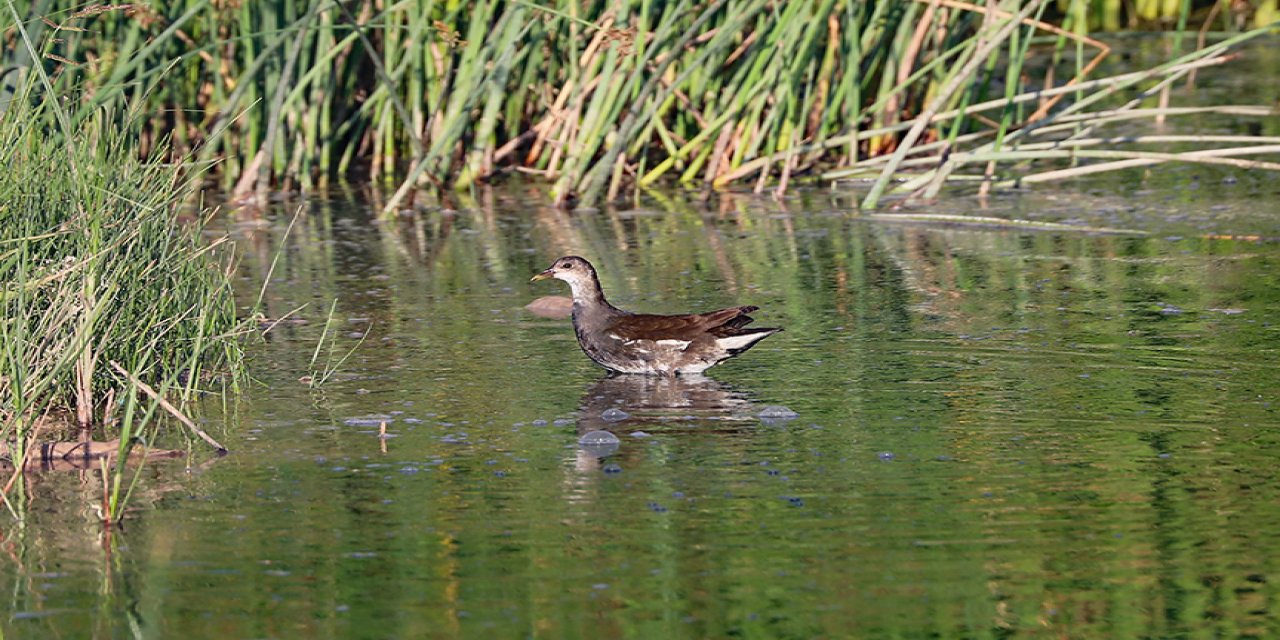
554	307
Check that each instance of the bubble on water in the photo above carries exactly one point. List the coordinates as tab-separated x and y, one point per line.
598	437
614	414
778	412
599	443
371	420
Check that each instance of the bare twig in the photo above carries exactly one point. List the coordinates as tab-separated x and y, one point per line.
164	404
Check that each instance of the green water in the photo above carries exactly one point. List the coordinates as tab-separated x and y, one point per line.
1001	433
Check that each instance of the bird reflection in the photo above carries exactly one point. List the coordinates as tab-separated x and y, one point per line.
626	405
659	400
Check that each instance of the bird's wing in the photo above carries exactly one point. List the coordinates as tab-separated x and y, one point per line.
688	327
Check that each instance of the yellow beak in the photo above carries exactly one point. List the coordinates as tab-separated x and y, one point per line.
542	276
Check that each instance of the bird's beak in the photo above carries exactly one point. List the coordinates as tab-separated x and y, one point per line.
542	276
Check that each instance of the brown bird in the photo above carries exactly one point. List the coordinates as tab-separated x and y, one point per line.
642	343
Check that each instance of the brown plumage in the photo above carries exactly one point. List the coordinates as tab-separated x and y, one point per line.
643	343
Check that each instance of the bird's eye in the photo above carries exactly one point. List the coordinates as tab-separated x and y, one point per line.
564	266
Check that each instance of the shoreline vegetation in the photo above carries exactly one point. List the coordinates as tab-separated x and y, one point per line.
599	100
117	312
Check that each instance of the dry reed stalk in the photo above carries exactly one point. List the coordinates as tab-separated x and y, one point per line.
167	406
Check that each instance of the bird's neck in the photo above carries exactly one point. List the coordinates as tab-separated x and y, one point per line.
587	292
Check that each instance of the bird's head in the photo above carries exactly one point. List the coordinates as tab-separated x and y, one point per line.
571	269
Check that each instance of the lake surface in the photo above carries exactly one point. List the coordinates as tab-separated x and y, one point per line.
1002	431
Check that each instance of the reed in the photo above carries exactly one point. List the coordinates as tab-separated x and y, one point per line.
112	306
595	98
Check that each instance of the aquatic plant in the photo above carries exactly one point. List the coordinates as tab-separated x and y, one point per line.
600	98
112	308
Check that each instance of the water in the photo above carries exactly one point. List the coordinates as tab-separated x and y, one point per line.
999	432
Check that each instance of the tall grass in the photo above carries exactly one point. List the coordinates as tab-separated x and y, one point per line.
596	98
109	304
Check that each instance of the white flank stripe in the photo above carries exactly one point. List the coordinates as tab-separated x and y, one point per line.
738	342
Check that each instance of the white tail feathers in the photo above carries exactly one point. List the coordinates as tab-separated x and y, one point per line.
743	341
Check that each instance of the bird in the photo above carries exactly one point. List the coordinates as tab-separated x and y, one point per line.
625	342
